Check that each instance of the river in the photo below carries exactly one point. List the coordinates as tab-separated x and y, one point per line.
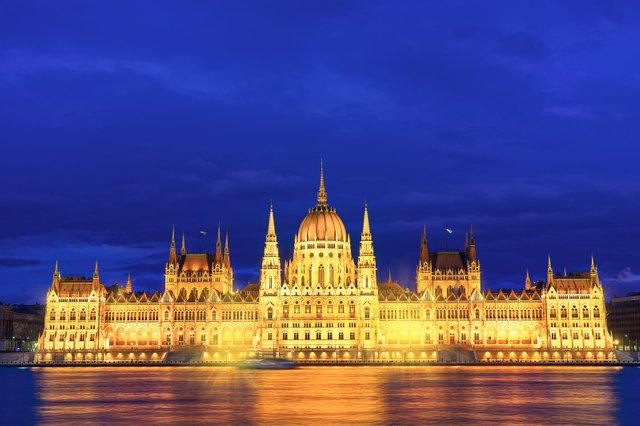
321	395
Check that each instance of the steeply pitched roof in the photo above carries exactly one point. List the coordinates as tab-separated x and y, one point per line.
444	260
195	262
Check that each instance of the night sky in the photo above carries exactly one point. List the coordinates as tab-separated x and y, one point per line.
118	120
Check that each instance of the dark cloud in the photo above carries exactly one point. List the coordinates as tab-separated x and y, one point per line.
18	263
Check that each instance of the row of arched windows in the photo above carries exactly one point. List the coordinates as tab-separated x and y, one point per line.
72	315
553	313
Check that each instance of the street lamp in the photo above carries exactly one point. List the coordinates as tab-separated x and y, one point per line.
626	336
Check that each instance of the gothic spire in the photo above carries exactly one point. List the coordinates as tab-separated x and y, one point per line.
128	288
472	245
173	258
593	264
183	249
219	247
271	227
424	249
96	276
227	260
366	230
527	281
322	193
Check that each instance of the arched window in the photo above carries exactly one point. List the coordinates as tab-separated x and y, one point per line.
428	314
270	313
83	315
596	312
477	313
270	282
321	275
563	312
367	312
52	315
92	315
214	315
63	315
585	312
574	312
72	315
553	313
166	315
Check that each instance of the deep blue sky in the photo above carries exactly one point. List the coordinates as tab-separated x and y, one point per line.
119	119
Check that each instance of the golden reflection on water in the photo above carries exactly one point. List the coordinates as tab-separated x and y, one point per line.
326	395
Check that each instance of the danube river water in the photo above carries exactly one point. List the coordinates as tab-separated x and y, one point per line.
321	395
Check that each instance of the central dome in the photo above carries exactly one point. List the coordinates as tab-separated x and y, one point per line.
322	223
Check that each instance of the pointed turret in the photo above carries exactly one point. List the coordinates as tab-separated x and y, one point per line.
549	270
227	259
322	193
527	281
55	282
128	288
270	277
366	257
271	227
424	248
366	231
96	275
183	249
472	246
593	272
219	247
423	271
173	257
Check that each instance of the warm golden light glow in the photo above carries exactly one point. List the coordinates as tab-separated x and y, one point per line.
323	305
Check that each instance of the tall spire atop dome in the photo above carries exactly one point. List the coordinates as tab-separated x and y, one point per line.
322	193
183	249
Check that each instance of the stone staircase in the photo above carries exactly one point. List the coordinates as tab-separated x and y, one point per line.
456	355
183	356
624	356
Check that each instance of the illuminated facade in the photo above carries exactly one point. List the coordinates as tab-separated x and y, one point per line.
322	305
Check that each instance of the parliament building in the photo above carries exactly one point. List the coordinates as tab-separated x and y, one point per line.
324	305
